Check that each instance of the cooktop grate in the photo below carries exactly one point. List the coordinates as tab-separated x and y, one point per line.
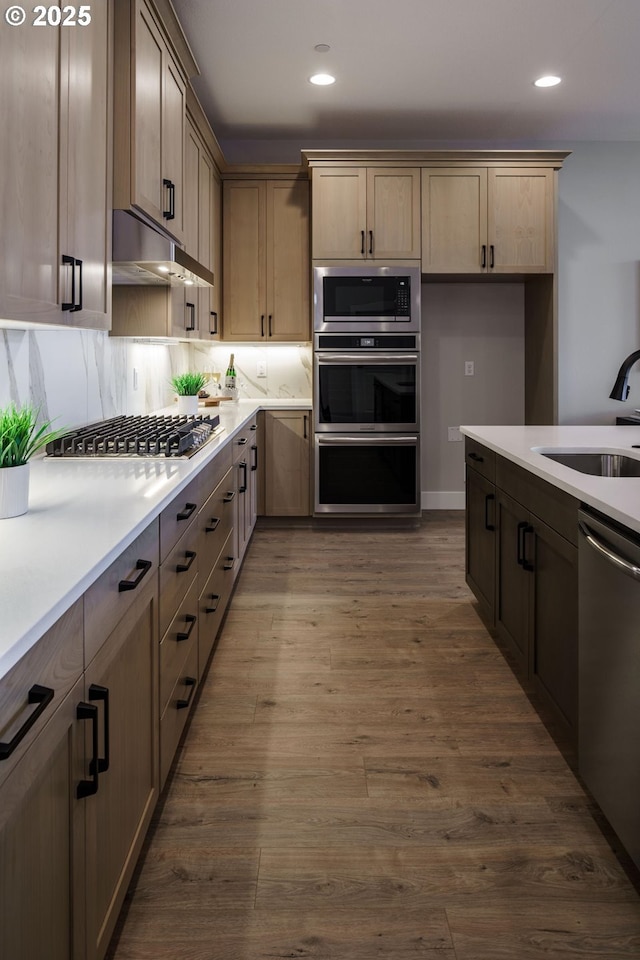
139	436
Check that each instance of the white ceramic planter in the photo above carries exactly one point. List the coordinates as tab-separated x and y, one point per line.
188	406
14	491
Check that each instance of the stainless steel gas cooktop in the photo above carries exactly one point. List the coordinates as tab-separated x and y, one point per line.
142	436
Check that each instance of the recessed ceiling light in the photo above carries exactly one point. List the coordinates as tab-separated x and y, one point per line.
322	79
163	269
547	81
322	48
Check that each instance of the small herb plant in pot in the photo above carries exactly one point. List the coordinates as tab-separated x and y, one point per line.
21	436
188	386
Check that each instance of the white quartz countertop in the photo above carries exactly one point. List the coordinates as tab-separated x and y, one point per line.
617	497
82	515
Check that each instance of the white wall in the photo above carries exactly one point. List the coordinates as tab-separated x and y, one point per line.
599	278
482	322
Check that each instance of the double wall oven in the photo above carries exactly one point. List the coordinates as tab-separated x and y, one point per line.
367	390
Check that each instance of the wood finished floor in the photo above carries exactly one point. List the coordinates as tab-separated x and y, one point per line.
364	778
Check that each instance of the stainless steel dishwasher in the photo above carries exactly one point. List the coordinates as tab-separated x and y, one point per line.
609	673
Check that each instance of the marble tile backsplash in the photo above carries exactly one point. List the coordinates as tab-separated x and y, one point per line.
78	376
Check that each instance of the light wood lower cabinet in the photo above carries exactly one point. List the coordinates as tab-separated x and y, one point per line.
287	483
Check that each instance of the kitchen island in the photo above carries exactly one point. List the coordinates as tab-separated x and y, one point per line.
552	558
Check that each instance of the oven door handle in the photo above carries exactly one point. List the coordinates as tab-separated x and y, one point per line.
365	357
378	439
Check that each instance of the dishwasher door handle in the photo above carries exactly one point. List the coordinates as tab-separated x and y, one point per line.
619	562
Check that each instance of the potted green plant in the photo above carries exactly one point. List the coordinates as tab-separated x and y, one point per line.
21	436
188	386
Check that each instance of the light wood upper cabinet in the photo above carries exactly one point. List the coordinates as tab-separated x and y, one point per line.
54	153
366	213
487	220
149	119
199	187
266	260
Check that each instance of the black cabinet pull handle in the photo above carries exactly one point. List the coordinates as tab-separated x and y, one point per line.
184	635
228	563
37	694
243	486
262	324
191	308
188	682
254	426
229	497
77	305
476	457
190	556
526	564
488	498
143	566
270	318
70	262
96	692
521	528
304	419
171	212
187	511
216	597
492	259
213	524
362	242
483	259
214	332
254	449
242	441
87	788
370	242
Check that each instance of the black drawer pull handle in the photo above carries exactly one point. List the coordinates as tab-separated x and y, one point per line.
96	692
216	597
213	524
242	441
143	566
229	497
243	486
254	426
188	682
87	788
228	564
190	556
188	510
191	620
476	457
37	694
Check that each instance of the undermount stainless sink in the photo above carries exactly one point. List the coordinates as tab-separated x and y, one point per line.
598	464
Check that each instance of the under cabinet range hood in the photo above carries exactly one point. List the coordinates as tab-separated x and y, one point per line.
144	255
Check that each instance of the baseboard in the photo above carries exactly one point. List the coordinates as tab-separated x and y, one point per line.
442	500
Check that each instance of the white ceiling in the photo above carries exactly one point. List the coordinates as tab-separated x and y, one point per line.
441	72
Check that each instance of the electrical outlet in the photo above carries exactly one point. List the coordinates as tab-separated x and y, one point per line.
453	434
469	368
261	368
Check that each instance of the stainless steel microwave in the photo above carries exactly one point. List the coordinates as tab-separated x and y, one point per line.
366	299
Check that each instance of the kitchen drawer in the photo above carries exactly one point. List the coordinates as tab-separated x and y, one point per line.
54	663
243	440
212	474
176	574
107	600
215	522
179	515
213	602
177	711
177	642
480	458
